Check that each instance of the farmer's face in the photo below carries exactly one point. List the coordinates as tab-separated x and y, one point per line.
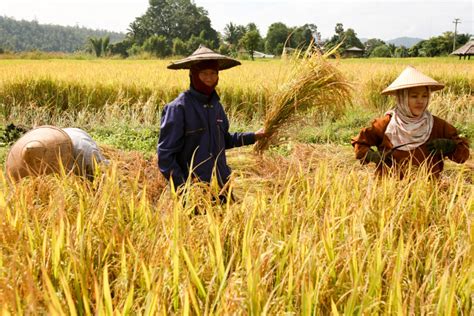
418	100
209	77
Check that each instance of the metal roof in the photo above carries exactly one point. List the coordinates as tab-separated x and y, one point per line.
354	49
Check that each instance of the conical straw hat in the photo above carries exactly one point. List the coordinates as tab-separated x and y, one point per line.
201	54
85	151
410	78
42	150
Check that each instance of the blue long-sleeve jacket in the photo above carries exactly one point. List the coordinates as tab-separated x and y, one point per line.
194	135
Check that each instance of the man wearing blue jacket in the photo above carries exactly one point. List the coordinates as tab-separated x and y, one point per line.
194	132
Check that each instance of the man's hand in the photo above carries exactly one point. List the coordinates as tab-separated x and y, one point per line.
260	134
441	146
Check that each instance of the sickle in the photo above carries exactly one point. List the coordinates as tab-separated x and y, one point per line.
399	146
389	153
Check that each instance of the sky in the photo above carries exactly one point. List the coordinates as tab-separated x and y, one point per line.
383	19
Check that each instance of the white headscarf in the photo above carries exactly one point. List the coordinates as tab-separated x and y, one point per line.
406	130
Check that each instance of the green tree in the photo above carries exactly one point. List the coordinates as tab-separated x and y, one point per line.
371	44
351	39
381	51
414	50
121	48
173	19
96	45
303	35
277	35
193	43
135	49
99	45
137	31
348	38
392	48
233	33
179	47
432	47
438	46
105	44
27	36
157	45
462	39
225	49
251	41
251	27
401	51
339	29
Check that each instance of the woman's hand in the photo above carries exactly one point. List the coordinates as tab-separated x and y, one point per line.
441	146
373	156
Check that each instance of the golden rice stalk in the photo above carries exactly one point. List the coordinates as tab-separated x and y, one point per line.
312	82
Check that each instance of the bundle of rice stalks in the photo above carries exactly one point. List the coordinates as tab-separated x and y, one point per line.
312	82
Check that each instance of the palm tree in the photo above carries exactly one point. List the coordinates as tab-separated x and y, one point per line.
96	45
99	45
230	35
105	44
233	33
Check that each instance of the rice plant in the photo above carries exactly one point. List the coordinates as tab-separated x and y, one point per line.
311	231
312	82
313	234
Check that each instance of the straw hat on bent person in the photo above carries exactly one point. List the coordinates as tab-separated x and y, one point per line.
204	54
85	151
412	78
43	150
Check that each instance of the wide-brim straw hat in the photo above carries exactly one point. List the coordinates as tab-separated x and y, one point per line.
85	150
201	54
411	78
43	150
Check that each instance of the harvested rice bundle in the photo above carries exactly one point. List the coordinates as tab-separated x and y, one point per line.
311	83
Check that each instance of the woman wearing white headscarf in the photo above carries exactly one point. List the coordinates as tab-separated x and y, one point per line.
410	133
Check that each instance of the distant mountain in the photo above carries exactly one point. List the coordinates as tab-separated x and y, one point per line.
405	41
399	41
26	36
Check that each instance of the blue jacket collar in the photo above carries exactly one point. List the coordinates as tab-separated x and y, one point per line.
202	98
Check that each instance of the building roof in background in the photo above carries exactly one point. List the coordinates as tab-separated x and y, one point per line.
262	55
354	49
466	49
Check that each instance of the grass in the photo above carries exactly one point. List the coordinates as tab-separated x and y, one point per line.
312	231
339	131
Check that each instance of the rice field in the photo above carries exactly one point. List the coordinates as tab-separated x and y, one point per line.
311	232
77	84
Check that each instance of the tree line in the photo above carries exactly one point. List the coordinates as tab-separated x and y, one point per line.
441	45
178	27
27	36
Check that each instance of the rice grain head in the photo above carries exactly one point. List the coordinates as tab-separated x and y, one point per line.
312	82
